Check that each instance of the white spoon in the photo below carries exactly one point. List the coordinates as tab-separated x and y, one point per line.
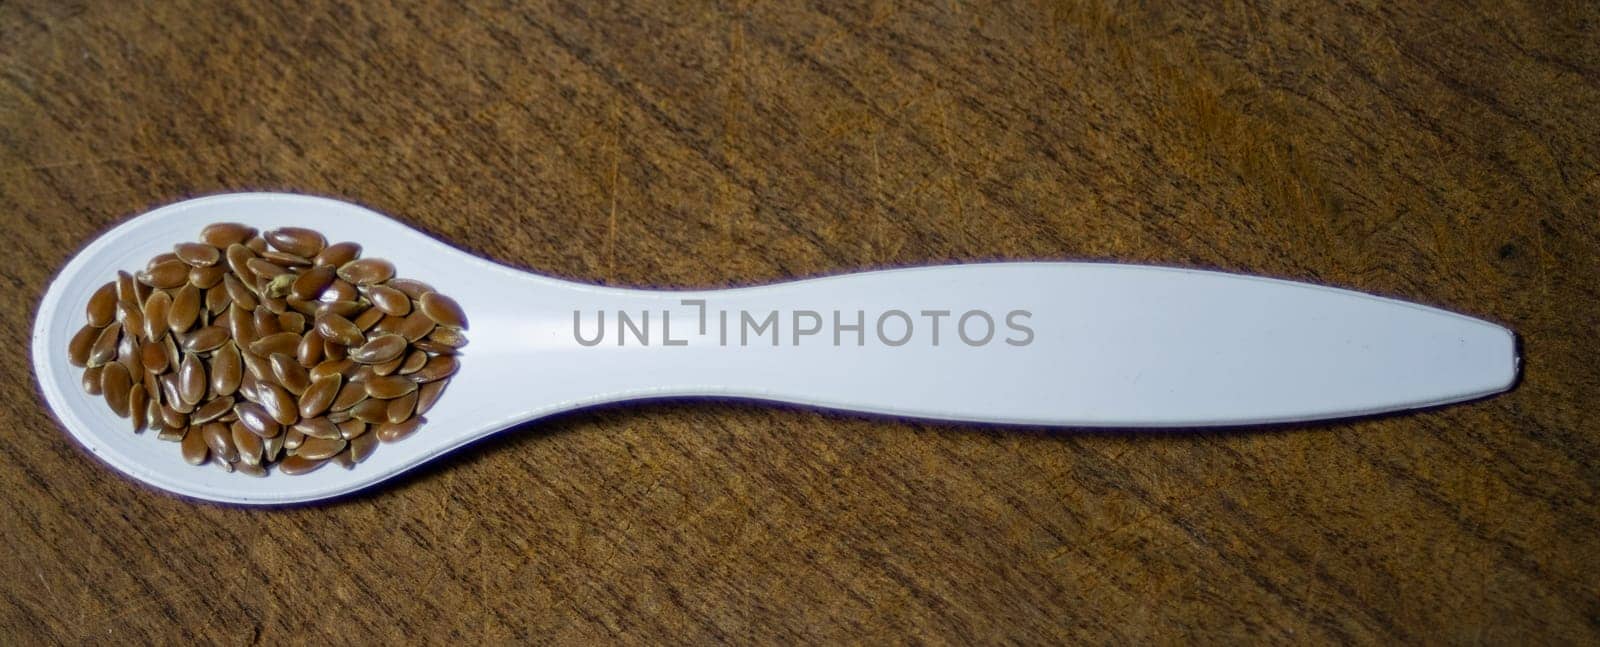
1071	344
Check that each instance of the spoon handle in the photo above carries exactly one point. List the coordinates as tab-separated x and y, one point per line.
1076	344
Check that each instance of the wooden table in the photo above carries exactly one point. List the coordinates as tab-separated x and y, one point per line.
1444	153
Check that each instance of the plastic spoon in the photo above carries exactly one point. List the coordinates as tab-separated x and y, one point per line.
1069	344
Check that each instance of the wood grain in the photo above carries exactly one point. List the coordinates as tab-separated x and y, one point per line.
1446	153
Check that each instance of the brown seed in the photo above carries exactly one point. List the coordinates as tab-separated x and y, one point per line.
443	309
257	471
249	445
156	311
292	440
216	300
152	385
239	294
102	308
436	348
104	348
346	309
387	387
172	418
275	305
205	339
302	306
257	420
312	282
239	261
278	403
411	287
194	448
402	407
128	355
191	379
176	434
390	300
367	319
172	394
338	254
131	317
271	448
389	367
286	259
289	373
297	240
349	395
316	448
437	368
82	341
249	386
256	244
256	367
159	259
366	271
349	429
166	274
292	322
241	327
390	324
262	268
330	367
142	291
223	234
379	349
317	428
339	330
334	350
371	411
428	394
266	322
414	361
390	432
362	373
114	385
299	465
185	309
92	375
212	409
197	254
340	417
309	353
220	441
362	446
223	465
170	344
138	407
283	342
339	290
416	325
152	409
127	290
451	337
227	369
319	395
206	278
153	358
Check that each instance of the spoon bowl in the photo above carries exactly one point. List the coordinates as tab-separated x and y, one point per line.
453	421
1072	344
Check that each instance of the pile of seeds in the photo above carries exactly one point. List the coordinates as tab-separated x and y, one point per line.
253	350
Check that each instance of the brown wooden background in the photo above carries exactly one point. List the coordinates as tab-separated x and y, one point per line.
1441	152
